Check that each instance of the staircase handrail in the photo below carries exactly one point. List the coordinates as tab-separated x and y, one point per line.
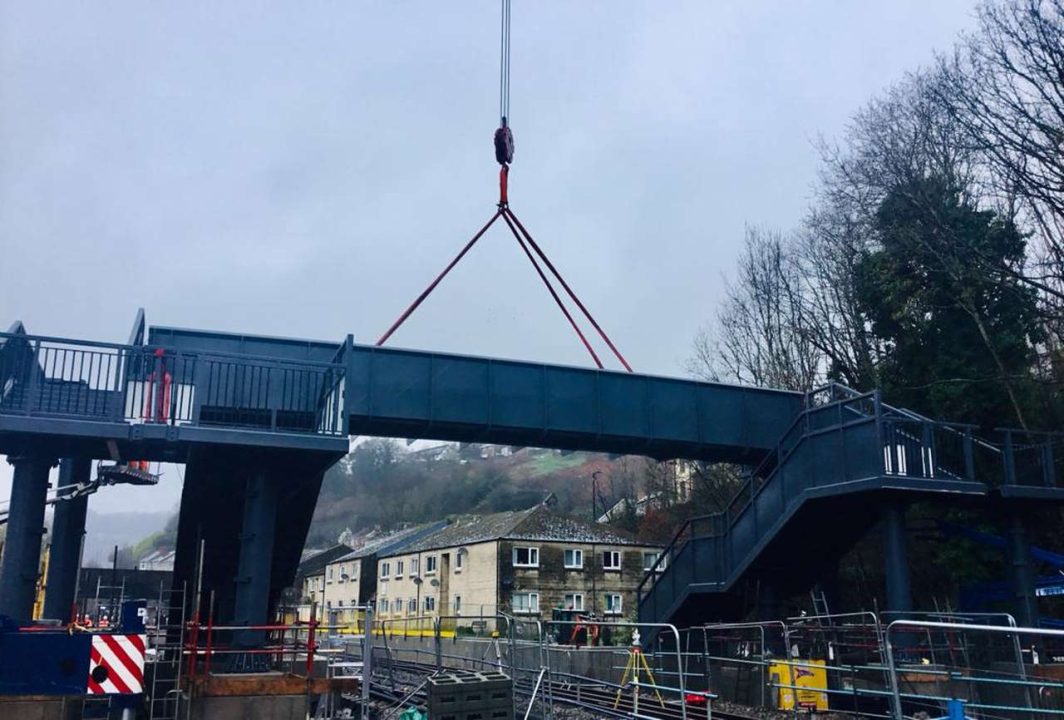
746	493
674	546
780	453
724	521
954	427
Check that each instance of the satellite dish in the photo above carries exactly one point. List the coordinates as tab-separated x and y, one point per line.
434	582
418	581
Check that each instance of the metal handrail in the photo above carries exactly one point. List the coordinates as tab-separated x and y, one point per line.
745	496
727	512
113	382
191	352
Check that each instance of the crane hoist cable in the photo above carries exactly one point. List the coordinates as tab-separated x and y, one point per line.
504	155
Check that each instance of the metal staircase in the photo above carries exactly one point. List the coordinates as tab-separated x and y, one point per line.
843	455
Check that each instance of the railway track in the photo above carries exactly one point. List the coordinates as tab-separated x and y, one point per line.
596	698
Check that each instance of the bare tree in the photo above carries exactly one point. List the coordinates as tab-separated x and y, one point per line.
756	337
1005	87
898	138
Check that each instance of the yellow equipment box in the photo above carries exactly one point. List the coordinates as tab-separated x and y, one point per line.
803	679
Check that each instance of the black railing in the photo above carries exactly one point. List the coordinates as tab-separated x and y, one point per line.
42	376
1033	459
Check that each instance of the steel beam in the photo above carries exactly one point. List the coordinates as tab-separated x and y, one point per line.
20	565
896	560
68	530
256	556
1021	579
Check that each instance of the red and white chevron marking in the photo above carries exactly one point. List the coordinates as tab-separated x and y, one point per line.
116	665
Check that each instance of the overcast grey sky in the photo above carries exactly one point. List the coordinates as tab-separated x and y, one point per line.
304	169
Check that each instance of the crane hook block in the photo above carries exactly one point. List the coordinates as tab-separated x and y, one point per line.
504	144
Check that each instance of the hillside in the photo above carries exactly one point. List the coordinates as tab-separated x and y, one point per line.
382	483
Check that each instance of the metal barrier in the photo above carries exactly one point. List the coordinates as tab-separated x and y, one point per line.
1033	458
736	649
987	666
636	663
210	647
56	377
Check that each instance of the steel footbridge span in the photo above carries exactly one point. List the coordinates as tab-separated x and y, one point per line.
258	420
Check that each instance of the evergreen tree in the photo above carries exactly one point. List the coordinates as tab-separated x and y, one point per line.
939	291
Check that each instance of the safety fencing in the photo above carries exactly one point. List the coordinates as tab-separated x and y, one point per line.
887	666
864	664
609	672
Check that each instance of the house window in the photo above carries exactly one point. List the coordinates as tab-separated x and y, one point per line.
430	604
328	605
574	601
430	565
611	560
397	606
613	604
574	559
457	604
413	567
649	558
382	606
411	606
343	573
459	560
339	603
330	574
526	557
525	603
386	570
398	569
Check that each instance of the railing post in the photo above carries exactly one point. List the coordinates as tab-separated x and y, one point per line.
878	410
311	646
36	371
210	637
122	374
927	450
893	670
1010	460
1048	475
969	457
367	661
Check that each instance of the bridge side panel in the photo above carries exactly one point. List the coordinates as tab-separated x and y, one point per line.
427	395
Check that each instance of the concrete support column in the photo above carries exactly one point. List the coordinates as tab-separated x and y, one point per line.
68	530
1021	577
22	549
256	556
896	558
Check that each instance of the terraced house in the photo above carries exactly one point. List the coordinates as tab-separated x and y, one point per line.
350	580
524	563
